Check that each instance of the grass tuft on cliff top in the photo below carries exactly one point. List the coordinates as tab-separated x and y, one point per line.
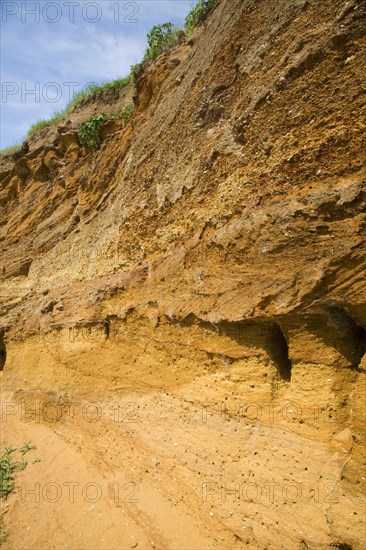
119	83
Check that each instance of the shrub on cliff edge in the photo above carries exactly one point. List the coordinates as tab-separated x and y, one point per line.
198	14
158	37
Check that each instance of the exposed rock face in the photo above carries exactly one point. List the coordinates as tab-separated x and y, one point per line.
214	248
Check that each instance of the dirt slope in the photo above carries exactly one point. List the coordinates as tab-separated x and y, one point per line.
202	274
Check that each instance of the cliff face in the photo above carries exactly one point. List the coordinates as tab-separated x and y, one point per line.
214	250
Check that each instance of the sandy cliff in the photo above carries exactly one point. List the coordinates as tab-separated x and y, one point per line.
207	263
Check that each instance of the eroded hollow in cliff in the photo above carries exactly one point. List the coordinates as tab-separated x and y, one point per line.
343	332
277	349
2	352
261	334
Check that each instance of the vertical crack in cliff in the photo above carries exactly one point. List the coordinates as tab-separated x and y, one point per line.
2	351
277	349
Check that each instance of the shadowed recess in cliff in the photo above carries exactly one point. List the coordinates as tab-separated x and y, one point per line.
260	334
266	334
340	546
277	349
2	351
342	331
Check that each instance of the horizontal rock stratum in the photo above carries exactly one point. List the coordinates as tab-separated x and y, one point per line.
207	265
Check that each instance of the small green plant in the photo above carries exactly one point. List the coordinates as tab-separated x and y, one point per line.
126	113
26	447
89	131
8	466
198	14
158	37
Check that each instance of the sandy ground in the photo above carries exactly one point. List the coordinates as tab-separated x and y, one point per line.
165	470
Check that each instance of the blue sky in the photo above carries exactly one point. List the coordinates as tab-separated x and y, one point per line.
51	48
